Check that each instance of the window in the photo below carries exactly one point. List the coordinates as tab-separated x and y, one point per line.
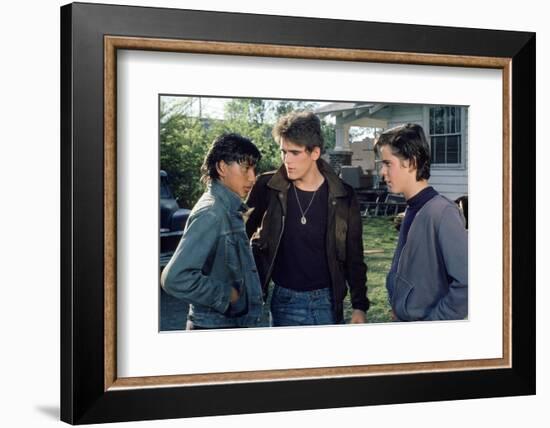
446	135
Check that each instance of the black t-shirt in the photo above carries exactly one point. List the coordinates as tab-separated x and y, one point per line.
301	262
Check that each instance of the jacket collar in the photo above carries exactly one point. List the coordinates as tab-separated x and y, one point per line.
227	197
281	183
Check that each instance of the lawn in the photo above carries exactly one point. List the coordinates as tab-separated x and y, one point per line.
379	241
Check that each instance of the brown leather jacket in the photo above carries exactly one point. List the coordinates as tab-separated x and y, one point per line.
265	225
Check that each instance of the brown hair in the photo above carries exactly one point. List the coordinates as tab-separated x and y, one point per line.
300	127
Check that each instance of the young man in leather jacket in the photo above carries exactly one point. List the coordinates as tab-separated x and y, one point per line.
306	232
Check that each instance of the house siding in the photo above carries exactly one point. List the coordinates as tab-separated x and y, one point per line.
452	181
449	180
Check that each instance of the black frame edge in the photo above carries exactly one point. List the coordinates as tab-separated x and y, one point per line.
66	315
243	27
523	212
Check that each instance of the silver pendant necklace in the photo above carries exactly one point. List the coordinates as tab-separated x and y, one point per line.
303	219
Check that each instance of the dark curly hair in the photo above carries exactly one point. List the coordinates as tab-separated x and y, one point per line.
228	148
300	127
408	142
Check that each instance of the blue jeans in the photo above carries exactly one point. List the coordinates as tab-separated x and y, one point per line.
289	307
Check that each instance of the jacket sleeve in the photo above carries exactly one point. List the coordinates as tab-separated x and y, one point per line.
184	276
257	203
453	243
356	269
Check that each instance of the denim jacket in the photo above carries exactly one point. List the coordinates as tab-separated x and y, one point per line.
213	256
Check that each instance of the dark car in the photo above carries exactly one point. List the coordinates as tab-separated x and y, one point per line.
172	220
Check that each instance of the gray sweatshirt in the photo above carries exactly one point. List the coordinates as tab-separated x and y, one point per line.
431	280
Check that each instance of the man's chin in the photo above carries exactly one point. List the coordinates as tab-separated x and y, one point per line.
293	177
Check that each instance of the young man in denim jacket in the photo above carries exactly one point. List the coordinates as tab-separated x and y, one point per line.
213	268
428	278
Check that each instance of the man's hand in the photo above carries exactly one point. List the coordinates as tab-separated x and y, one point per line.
358	317
234	295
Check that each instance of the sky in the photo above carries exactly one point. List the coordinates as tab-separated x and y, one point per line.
209	106
213	107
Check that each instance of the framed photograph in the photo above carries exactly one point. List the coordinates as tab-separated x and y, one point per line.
124	77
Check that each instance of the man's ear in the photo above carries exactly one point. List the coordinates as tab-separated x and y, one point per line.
316	153
412	164
221	167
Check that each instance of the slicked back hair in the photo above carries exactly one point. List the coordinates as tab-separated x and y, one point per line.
408	142
228	148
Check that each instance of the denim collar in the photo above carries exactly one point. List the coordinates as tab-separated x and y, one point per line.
227	197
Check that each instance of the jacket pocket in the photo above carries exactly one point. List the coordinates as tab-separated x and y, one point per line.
232	259
411	302
402	293
240	307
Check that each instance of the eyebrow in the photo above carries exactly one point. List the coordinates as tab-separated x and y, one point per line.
292	151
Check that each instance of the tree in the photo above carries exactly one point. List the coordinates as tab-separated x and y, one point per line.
248	117
183	145
185	138
327	129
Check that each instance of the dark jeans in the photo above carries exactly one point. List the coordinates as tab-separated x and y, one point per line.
291	308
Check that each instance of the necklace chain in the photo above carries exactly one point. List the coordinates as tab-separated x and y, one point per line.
303	219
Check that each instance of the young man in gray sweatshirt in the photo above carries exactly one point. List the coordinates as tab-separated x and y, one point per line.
428	279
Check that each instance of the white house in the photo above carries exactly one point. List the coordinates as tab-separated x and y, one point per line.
446	128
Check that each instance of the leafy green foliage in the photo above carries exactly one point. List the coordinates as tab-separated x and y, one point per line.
248	118
185	136
183	145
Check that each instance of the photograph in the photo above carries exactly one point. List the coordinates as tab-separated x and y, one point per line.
249	236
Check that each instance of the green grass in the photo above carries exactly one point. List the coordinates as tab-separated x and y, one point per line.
379	242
